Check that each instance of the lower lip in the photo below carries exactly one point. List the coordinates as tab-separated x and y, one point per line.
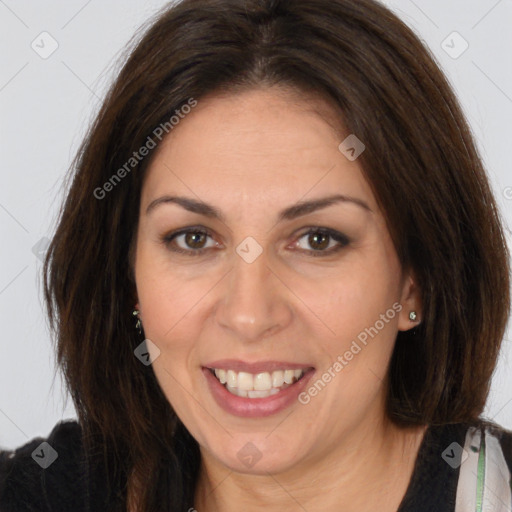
255	407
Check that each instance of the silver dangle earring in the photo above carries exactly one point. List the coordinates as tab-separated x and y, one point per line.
413	316
138	325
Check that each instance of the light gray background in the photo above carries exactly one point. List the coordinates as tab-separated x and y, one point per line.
46	105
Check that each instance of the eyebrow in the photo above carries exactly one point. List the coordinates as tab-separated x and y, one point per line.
292	212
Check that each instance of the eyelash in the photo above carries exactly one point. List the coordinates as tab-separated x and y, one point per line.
334	235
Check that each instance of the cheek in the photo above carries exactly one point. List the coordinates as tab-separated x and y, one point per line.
359	322
350	300
167	297
355	350
170	319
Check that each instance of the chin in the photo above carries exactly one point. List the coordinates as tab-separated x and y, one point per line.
256	455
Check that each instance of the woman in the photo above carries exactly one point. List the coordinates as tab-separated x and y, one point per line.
279	279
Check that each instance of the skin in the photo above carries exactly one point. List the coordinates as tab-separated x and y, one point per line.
251	155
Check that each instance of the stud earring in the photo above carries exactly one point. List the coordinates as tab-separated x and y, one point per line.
413	316
138	325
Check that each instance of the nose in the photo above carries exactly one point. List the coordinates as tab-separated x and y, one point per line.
254	302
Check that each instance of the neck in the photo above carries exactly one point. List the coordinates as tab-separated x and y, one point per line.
370	469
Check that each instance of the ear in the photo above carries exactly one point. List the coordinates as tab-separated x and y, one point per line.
410	300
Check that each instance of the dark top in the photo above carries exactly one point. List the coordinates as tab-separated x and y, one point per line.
25	485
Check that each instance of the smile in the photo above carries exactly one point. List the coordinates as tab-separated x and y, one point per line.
255	390
259	385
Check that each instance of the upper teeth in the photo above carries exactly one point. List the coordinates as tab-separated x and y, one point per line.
264	381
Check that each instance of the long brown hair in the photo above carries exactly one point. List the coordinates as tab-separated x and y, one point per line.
420	160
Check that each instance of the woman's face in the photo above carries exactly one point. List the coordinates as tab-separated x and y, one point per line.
258	288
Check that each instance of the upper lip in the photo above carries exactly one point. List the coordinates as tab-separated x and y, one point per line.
255	367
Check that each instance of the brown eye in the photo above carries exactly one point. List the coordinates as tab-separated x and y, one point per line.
189	241
318	241
195	239
323	241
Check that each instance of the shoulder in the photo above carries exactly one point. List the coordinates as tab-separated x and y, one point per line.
450	467
45	473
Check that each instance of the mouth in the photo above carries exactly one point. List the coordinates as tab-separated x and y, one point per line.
258	385
258	389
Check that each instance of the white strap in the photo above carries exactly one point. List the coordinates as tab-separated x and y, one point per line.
466	495
484	481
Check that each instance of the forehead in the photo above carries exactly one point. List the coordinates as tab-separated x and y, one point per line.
261	144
